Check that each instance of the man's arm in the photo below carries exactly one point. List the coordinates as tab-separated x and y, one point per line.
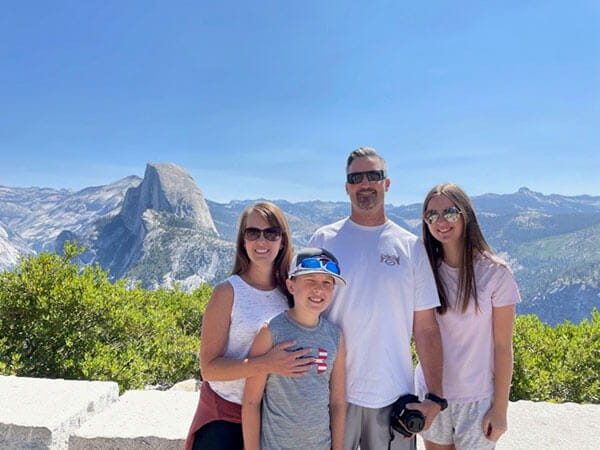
337	397
253	392
429	349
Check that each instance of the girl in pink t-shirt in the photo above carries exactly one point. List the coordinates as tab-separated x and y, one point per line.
477	294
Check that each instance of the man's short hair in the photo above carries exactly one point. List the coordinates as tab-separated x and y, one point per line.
362	152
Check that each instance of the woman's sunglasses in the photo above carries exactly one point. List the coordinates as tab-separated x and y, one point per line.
451	214
317	263
270	234
372	175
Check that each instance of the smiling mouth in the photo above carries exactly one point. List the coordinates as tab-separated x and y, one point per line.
366	192
316	300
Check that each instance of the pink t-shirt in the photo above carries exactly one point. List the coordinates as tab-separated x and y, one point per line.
467	338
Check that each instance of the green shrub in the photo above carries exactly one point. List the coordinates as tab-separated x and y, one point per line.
60	321
559	363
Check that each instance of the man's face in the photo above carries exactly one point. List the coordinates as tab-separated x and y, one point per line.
367	195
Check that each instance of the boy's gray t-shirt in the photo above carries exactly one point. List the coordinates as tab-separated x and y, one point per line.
295	411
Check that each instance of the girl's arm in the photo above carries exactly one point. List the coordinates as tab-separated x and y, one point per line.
494	422
253	393
214	335
337	397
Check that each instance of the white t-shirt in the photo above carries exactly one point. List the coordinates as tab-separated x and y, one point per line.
388	278
467	339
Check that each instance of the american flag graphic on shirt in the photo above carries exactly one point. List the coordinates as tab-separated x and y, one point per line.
320	361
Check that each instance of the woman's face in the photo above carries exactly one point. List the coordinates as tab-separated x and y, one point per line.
261	250
448	233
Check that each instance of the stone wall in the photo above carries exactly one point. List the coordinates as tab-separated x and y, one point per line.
62	414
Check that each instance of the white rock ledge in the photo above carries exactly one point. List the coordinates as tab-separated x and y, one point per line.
39	413
60	414
140	420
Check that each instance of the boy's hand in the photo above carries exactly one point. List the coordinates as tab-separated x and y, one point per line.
288	363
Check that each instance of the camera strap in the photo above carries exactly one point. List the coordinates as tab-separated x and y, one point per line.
392	435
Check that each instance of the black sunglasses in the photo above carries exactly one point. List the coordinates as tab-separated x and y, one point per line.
451	214
372	175
270	234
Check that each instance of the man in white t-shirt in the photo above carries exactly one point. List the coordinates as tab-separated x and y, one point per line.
390	295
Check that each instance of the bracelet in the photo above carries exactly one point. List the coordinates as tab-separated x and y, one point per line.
442	402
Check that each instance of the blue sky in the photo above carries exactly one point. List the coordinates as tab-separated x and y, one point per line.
266	99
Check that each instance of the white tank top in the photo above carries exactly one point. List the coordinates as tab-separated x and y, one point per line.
251	308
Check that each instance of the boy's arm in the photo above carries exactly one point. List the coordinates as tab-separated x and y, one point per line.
337	397
253	392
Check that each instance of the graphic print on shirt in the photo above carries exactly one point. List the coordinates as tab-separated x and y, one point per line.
319	359
390	260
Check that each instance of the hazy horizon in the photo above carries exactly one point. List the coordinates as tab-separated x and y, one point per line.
275	199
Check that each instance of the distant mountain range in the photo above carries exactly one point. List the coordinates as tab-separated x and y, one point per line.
160	230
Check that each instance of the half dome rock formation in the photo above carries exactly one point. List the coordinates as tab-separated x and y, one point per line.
164	233
168	188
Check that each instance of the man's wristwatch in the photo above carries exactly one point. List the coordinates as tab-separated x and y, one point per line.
439	400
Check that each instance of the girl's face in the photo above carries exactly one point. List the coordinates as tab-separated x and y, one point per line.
448	233
261	250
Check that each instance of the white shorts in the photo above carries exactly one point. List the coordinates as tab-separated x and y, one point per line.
461	424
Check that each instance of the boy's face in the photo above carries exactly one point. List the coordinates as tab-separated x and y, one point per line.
312	292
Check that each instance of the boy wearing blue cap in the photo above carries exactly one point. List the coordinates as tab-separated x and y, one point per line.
307	411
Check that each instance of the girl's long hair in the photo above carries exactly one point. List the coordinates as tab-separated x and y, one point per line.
474	245
275	218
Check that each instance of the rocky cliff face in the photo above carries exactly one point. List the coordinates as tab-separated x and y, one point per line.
39	218
11	248
163	234
157	230
168	188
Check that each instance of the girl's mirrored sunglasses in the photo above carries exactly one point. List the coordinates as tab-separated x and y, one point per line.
372	175
317	263
451	214
270	234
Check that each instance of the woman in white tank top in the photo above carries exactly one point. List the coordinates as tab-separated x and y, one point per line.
254	293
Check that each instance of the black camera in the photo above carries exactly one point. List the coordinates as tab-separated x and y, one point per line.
412	420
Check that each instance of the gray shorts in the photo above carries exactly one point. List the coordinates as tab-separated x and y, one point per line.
461	424
369	429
